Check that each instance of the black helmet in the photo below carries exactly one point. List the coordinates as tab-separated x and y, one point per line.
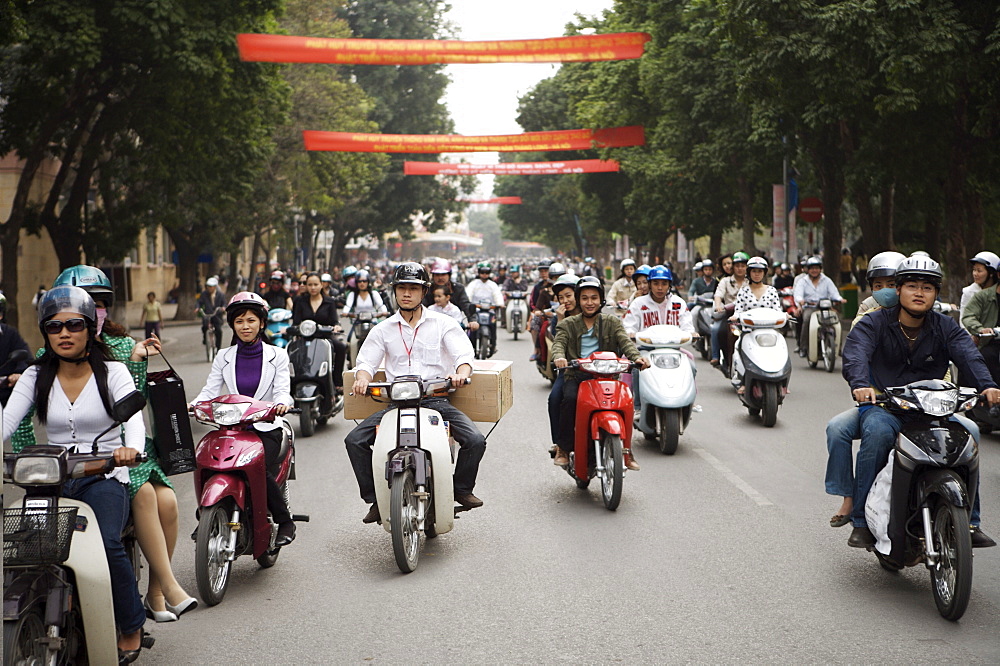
544	263
411	273
589	282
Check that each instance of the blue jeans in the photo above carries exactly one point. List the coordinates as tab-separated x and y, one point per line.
841	431
879	429
716	343
555	399
111	504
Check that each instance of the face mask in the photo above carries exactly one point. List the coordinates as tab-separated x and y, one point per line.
887	298
102	314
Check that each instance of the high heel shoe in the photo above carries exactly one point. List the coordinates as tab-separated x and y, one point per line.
159	616
183	607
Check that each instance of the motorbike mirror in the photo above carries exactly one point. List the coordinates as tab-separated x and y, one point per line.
121	412
18	356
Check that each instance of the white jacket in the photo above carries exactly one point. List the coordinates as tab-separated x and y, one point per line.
645	312
274	386
477	290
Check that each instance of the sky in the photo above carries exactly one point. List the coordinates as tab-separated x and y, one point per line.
483	98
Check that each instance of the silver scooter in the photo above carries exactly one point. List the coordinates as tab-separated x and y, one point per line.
666	388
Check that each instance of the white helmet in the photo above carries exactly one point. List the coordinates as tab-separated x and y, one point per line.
883	264
212	282
987	259
698	266
626	262
757	262
556	269
814	261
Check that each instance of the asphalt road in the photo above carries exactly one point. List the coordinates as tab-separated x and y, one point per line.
720	553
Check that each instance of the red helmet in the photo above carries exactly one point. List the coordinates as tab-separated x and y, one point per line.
441	266
277	275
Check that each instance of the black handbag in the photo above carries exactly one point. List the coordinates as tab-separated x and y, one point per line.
171	426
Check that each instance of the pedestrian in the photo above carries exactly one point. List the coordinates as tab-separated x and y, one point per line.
152	316
38	296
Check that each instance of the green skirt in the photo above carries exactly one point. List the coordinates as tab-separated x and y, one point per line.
147	471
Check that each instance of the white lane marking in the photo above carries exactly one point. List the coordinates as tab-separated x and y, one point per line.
732	477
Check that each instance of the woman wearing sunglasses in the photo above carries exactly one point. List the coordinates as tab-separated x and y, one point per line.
72	386
154	502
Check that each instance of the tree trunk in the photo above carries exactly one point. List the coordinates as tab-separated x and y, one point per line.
10	234
828	157
888	217
955	204
187	275
715	244
746	215
871	227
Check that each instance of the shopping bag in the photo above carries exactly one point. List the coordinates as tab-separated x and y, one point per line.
170	424
877	507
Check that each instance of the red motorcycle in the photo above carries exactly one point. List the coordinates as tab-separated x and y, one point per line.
788	306
604	410
230	480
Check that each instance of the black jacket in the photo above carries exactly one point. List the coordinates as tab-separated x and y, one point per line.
325	315
10	341
876	353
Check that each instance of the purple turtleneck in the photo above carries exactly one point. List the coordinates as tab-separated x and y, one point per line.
249	360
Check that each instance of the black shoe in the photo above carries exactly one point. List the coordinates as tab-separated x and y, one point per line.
980	539
286	534
861	537
469	501
373	516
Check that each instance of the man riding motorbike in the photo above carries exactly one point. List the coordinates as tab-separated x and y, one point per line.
893	347
705	283
441	276
416	341
211	303
660	306
808	293
565	293
577	337
483	289
276	296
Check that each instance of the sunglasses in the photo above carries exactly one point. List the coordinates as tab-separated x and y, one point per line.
55	326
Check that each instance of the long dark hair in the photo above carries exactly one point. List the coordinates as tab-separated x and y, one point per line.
48	365
231	316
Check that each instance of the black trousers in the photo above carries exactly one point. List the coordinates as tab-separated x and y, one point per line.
339	356
359	444
991	354
275	498
567	414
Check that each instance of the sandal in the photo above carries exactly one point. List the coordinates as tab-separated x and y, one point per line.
839	520
741	390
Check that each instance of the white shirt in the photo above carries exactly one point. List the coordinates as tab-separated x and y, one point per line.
645	312
967	294
451	310
477	291
371	304
74	425
807	292
434	348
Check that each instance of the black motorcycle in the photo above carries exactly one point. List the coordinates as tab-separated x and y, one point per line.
701	313
487	320
935	476
310	357
362	326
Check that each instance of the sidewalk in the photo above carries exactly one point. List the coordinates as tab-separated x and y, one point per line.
134	310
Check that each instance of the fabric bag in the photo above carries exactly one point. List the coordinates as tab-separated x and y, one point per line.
170	424
877	507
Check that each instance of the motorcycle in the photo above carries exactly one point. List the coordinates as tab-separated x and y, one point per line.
603	427
310	356
788	307
666	388
517	311
486	319
987	419
57	604
701	315
543	360
278	321
362	325
824	336
934	476
725	364
761	362
230	483
413	461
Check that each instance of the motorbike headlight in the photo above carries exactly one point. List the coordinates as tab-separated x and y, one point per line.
307	328
228	414
766	339
666	361
825	304
402	391
40	471
937	403
605	366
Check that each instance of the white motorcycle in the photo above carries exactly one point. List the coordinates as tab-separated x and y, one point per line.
517	311
666	389
761	363
413	462
824	336
57	587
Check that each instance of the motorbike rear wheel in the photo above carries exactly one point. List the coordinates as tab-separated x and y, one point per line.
306	423
403	521
670	430
613	461
770	410
828	350
22	639
211	564
951	578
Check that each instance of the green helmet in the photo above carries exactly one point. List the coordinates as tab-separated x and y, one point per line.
741	257
89	278
483	266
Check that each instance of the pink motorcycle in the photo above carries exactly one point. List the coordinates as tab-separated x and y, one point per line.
230	480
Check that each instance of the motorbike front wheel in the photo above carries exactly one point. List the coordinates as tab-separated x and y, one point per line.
515	324
951	578
22	639
403	522
828	350
211	563
670	430
770	411
612	459
307	423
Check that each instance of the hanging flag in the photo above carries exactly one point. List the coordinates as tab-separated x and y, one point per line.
578	139
509	168
493	200
576	48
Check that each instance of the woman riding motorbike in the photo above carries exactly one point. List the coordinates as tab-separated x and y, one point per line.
623	288
251	368
755	293
313	305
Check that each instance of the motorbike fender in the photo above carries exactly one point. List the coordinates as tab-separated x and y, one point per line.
610	422
672	389
306	392
814	327
220	486
946	484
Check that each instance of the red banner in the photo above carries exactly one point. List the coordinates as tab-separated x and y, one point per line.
494	200
577	48
579	139
509	168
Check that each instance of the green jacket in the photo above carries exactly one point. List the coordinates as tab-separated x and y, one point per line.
611	336
980	313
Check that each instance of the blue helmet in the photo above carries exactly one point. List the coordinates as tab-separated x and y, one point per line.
643	270
660	273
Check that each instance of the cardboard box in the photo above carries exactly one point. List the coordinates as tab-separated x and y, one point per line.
486	399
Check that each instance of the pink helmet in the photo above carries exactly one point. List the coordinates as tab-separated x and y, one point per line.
246	300
441	266
276	275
